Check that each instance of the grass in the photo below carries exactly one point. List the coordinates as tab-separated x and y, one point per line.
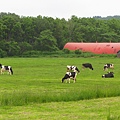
94	109
37	82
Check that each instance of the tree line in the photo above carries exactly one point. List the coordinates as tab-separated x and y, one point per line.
20	34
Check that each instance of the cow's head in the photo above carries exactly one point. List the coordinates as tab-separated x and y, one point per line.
76	69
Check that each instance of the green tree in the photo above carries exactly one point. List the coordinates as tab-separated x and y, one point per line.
59	32
28	27
12	48
17	32
8	23
2	53
24	46
46	41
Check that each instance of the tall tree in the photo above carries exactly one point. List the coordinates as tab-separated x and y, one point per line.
46	41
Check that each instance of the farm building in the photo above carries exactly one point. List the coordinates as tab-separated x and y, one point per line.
97	48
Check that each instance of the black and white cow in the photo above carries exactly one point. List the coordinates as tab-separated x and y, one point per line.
69	75
107	66
108	75
87	65
72	68
6	68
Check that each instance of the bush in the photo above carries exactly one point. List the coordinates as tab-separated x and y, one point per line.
31	53
66	51
78	52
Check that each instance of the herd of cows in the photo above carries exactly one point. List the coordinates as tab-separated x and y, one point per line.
73	70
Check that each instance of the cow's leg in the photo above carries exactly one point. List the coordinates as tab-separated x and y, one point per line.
66	80
69	80
2	70
62	80
74	79
112	68
106	69
9	72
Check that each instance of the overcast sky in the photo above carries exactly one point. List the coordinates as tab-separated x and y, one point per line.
61	8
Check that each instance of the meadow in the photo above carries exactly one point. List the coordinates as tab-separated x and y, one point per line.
35	90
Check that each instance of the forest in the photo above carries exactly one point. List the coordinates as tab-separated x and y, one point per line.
21	34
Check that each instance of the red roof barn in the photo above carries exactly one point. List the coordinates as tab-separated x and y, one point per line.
97	48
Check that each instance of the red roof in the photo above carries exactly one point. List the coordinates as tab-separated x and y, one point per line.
97	48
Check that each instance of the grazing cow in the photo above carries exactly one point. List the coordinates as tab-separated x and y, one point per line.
69	75
87	65
72	68
6	68
107	66
108	75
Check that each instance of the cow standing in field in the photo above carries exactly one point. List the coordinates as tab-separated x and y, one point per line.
72	68
108	75
107	66
69	75
87	65
6	68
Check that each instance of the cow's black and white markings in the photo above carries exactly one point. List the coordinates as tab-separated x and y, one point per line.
6	68
87	65
108	75
68	76
72	68
107	66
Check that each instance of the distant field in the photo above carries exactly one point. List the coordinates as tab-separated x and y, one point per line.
37	83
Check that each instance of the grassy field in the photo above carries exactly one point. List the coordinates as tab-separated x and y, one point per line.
35	90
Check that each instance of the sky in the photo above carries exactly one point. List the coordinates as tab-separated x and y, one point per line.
61	8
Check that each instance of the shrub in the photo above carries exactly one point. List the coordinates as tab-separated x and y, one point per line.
66	51
78	52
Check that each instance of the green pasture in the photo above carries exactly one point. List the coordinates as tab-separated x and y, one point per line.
35	90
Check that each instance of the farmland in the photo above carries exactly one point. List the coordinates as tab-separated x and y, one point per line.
35	90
